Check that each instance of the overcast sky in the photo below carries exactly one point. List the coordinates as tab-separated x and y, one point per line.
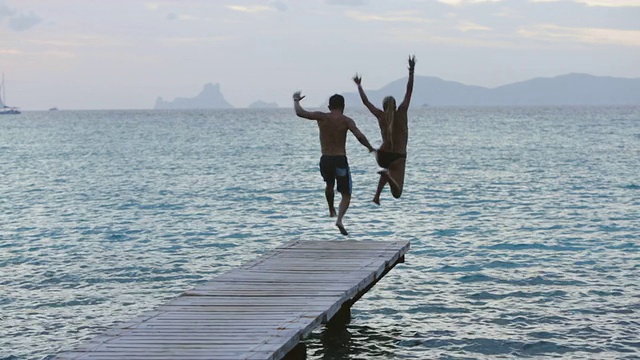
122	54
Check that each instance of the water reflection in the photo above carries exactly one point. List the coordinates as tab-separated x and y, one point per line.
352	341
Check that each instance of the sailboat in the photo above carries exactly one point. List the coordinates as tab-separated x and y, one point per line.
4	109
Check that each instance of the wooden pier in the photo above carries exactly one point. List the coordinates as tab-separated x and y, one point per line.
261	310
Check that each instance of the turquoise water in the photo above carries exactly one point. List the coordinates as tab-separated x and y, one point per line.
524	225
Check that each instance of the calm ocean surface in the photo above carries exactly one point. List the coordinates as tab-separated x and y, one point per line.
524	225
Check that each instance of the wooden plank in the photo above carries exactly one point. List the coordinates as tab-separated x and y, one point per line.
260	310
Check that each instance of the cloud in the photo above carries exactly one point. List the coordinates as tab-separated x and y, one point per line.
273	5
191	41
541	37
6	11
32	54
601	3
24	22
173	16
250	9
78	41
598	36
152	6
424	36
406	17
347	2
470	26
278	5
10	52
19	22
465	2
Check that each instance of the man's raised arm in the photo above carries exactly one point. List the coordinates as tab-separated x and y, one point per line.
407	95
316	115
374	110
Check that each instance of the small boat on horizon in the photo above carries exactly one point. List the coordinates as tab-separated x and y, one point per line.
54	109
4	109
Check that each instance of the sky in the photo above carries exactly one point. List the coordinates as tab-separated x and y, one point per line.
123	54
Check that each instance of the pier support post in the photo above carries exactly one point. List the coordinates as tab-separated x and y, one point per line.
342	317
297	353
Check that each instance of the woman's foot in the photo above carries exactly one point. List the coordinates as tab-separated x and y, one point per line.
343	231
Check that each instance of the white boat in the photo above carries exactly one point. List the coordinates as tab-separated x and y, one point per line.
4	109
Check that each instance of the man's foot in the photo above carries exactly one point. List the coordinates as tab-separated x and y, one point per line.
376	200
332	214
343	231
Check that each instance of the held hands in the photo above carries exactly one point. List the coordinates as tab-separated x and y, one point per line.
357	79
297	96
412	62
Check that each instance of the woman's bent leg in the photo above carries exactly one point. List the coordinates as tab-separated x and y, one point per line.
396	177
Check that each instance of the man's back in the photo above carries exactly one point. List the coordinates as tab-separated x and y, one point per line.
333	133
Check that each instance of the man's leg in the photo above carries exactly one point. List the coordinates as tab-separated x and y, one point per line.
342	209
343	180
329	194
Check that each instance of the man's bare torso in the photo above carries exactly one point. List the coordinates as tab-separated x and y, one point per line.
333	134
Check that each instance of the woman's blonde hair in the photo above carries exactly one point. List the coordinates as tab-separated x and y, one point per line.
389	107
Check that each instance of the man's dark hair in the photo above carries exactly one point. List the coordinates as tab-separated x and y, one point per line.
336	102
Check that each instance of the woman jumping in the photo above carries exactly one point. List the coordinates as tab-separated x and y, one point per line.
392	155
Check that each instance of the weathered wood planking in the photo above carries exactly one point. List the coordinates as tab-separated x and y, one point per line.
260	310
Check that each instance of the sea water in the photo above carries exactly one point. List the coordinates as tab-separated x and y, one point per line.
524	225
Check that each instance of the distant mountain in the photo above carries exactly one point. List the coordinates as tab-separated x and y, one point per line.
262	105
571	89
209	98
